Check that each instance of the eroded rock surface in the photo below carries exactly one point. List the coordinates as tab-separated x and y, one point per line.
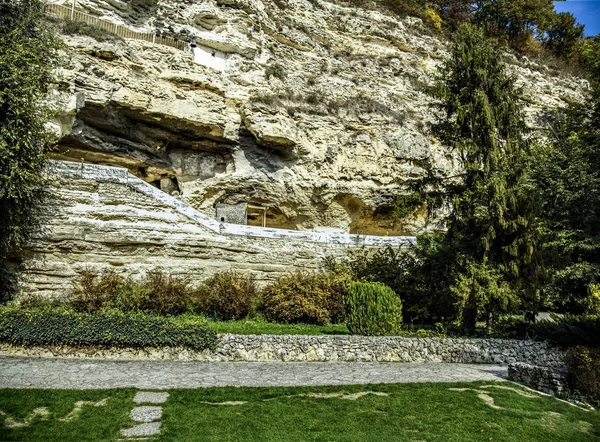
312	109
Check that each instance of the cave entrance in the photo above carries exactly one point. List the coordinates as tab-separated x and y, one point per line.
257	215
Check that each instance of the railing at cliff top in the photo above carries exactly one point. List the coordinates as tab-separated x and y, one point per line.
120	30
70	169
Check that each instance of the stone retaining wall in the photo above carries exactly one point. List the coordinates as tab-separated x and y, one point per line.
330	348
545	379
119	175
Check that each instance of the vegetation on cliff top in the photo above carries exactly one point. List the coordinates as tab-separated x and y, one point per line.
531	27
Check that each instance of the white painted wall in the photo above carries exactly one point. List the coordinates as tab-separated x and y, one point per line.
210	57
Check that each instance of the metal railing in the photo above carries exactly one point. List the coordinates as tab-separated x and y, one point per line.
120	30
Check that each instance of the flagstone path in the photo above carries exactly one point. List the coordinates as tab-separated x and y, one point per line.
148	415
63	373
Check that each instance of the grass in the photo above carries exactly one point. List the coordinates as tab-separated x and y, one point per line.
405	412
262	327
258	326
91	423
479	411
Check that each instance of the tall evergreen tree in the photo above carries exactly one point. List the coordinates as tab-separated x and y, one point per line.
27	56
491	221
563	35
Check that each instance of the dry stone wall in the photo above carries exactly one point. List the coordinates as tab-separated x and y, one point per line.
381	349
546	379
292	348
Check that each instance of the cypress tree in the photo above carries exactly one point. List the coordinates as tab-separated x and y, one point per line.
491	224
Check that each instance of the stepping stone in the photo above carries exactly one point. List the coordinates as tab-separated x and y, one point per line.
150	397
146	414
149	429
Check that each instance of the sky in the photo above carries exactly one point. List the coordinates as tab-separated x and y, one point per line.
587	12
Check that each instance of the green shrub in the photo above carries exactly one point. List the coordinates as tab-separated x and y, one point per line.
156	292
372	309
583	373
91	292
511	327
419	275
309	298
564	332
163	294
72	27
569	331
109	328
228	296
35	301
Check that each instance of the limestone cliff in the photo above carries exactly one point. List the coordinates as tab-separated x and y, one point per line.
307	107
97	217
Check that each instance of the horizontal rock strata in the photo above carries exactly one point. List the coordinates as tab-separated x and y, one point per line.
312	108
92	225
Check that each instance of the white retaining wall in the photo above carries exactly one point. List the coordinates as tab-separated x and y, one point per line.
121	175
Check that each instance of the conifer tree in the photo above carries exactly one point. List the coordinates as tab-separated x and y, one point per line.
491	222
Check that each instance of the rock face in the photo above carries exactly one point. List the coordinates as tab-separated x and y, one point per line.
309	108
92	224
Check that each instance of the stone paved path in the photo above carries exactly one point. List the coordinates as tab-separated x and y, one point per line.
149	415
28	372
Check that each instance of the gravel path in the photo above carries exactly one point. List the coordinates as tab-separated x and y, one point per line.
29	372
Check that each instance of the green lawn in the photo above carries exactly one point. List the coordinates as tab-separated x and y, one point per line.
480	411
261	327
24	414
258	326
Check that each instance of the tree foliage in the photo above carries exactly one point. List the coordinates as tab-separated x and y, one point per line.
454	12
563	35
491	238
568	176
26	59
589	56
516	21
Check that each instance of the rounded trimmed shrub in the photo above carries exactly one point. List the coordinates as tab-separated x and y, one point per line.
306	298
372	309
